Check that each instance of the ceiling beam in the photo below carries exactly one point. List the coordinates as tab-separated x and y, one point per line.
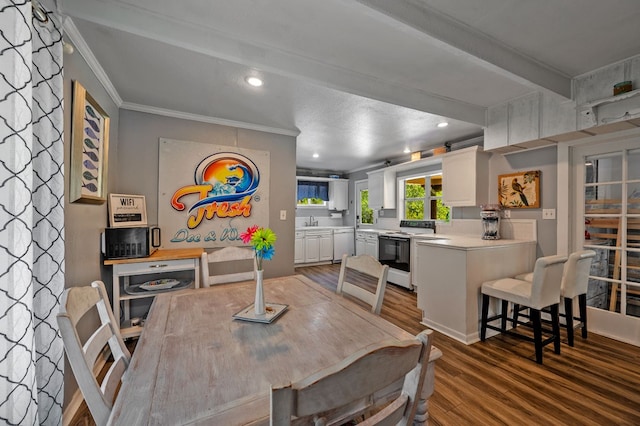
479	46
217	44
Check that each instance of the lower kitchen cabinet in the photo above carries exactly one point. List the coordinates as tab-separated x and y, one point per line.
314	246
299	248
367	243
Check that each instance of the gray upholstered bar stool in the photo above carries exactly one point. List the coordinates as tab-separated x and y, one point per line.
543	291
575	280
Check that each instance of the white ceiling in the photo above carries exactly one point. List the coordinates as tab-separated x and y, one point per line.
356	81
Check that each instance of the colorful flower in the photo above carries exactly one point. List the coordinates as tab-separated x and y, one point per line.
262	240
246	236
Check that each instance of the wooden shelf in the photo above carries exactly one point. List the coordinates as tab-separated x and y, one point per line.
610	99
610	234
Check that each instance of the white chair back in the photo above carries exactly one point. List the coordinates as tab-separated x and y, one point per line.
576	273
547	280
369	266
231	257
75	303
346	390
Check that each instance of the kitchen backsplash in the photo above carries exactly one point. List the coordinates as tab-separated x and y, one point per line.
321	221
510	229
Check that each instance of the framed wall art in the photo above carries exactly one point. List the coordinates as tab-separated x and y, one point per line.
519	190
127	210
89	149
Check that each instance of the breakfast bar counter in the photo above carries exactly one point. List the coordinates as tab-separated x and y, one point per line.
450	272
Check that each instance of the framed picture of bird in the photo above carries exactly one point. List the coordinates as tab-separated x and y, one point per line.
89	149
519	190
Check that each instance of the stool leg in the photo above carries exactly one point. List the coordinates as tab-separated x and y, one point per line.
555	321
582	303
537	333
568	317
516	311
485	314
505	308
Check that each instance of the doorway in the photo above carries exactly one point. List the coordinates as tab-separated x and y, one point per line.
364	215
607	220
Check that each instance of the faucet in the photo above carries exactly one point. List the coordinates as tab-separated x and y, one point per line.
312	222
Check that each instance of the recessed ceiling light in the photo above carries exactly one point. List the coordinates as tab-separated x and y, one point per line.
254	81
406	150
316	155
443	124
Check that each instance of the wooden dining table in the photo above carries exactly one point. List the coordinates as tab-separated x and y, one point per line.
196	364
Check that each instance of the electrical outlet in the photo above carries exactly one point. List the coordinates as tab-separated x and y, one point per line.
548	213
506	213
283	215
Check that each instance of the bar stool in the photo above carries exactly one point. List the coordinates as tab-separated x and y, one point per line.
543	291
575	280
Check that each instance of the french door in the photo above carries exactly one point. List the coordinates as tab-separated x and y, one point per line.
607	215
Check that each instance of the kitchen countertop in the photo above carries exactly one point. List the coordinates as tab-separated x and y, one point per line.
322	228
465	242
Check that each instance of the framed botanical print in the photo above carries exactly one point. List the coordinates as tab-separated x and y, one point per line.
89	149
519	190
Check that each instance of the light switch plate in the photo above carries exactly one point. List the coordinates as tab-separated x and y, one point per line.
283	215
548	213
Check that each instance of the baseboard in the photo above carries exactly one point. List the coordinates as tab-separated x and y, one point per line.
72	408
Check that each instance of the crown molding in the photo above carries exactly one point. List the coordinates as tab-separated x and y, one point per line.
207	119
71	31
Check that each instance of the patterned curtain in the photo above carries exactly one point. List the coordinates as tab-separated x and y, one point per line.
31	216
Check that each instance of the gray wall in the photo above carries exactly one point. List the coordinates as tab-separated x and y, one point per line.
133	168
84	222
138	169
543	159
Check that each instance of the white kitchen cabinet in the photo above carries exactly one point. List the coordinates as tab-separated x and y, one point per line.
299	248
465	177
371	245
311	248
338	194
382	189
326	247
361	242
317	246
524	122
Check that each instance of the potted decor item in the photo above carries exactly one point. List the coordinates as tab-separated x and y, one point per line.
262	240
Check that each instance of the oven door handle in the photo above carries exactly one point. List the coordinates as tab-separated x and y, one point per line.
385	237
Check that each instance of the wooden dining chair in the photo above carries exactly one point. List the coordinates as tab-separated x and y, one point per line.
215	265
368	265
75	303
352	387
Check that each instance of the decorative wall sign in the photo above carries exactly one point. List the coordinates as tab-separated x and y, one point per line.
519	190
127	210
208	194
89	149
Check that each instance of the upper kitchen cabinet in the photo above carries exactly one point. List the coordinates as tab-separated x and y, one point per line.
382	189
524	122
338	194
465	177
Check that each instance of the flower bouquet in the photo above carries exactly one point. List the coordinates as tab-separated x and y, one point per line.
262	240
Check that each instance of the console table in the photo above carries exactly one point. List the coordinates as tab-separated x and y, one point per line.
160	262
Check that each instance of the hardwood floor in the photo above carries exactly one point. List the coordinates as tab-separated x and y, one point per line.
597	382
497	382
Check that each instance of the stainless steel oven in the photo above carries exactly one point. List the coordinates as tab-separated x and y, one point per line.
394	250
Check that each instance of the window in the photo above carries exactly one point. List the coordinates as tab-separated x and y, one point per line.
422	198
312	193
